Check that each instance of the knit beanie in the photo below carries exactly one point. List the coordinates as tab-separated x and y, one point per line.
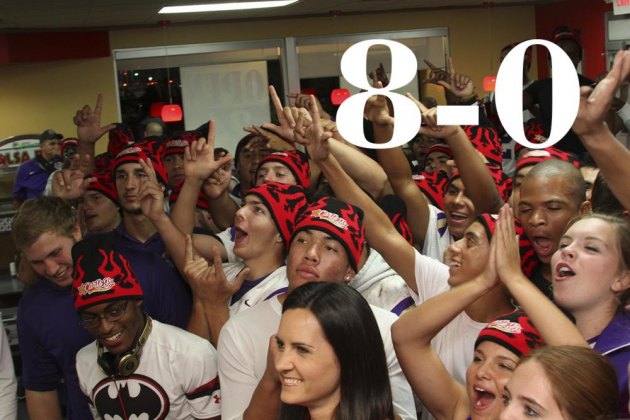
342	221
101	274
513	331
145	149
285	202
296	161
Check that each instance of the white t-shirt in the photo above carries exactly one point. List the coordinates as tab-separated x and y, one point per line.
228	242
243	346
177	379
381	286
455	343
438	238
8	384
274	284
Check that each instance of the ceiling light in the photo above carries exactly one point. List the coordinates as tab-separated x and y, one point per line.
219	7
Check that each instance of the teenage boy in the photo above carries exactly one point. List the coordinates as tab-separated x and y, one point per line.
45	230
137	366
326	245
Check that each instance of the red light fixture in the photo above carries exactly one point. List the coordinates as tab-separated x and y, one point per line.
337	96
488	84
172	113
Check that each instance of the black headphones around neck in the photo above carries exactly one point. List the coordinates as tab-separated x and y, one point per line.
126	363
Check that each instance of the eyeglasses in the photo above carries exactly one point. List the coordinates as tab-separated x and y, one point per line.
114	313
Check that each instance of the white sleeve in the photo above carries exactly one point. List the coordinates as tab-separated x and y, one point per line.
79	363
624	114
8	384
48	189
237	373
404	404
431	278
226	237
201	381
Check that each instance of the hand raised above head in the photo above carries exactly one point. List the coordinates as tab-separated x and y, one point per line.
88	122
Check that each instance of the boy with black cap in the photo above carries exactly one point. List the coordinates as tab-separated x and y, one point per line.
32	175
143	366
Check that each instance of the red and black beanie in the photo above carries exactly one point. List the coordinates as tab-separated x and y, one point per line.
103	182
101	273
503	182
285	202
395	208
513	331
534	133
176	144
533	157
433	186
487	141
489	223
202	200
120	137
103	162
145	149
296	161
342	221
440	147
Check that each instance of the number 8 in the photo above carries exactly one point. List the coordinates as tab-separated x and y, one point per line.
350	113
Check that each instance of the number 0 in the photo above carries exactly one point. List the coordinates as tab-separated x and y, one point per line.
509	93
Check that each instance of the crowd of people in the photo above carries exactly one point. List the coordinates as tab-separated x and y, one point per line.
461	277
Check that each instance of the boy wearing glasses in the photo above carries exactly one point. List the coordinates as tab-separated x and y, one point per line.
33	174
137	367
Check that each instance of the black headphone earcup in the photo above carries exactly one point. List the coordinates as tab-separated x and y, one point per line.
107	361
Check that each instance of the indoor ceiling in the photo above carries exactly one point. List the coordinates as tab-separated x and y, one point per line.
40	15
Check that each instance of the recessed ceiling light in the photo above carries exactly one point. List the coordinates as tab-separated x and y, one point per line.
219	7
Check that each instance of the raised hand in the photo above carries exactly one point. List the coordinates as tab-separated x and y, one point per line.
313	136
490	277
71	183
595	103
217	183
271	139
429	121
508	259
285	118
88	122
459	85
208	282
379	75
301	100
150	193
199	161
377	110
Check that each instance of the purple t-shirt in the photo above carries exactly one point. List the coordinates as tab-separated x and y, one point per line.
614	343
50	337
167	297
31	178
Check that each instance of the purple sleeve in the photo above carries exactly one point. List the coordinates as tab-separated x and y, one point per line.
40	371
